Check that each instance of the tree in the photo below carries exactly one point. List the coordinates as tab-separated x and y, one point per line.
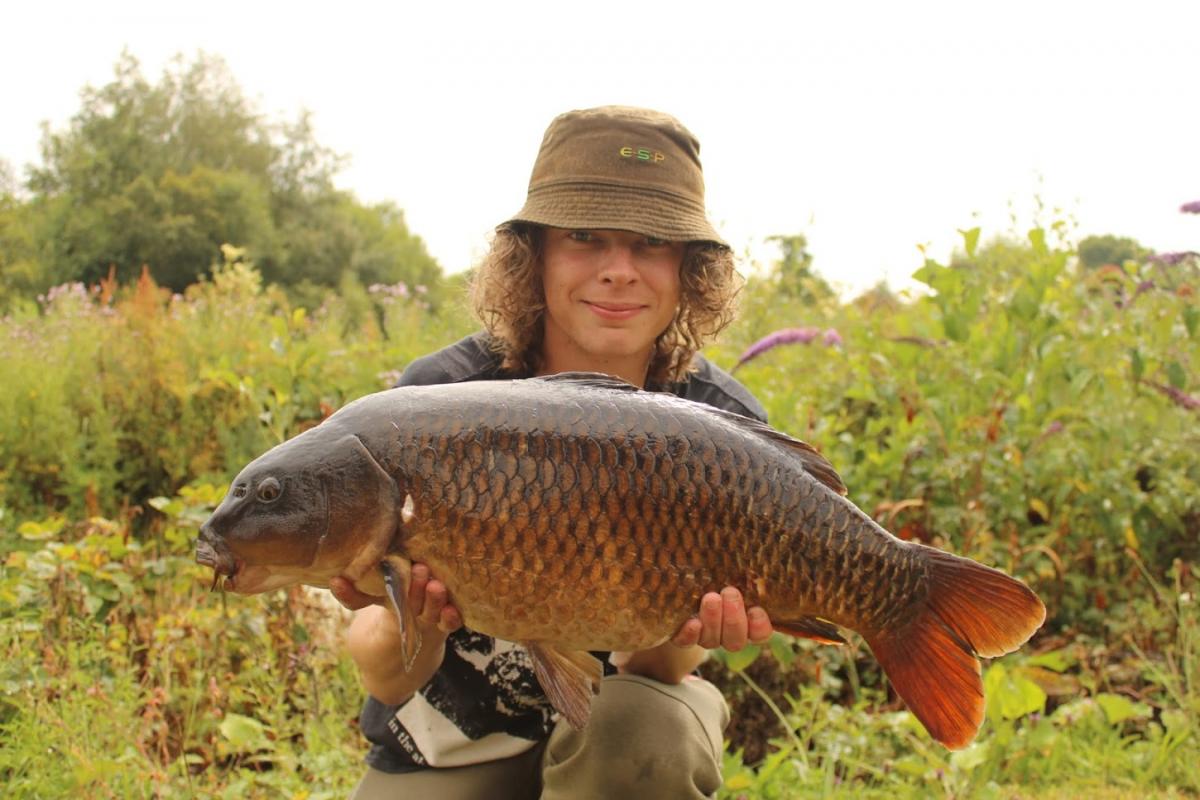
19	269
1096	251
163	174
793	272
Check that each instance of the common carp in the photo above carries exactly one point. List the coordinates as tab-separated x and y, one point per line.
576	512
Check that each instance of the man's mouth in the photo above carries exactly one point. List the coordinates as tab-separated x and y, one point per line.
607	310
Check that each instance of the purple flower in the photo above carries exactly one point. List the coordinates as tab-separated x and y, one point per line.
1180	398
1173	259
832	338
1191	208
803	335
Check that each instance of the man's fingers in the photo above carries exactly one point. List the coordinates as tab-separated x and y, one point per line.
688	633
710	620
449	621
758	625
733	619
344	592
435	600
417	583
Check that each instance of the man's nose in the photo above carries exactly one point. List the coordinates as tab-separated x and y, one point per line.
618	265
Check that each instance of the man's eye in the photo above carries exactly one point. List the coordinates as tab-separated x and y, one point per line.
652	241
581	236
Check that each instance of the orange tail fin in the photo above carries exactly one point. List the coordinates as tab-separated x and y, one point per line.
971	610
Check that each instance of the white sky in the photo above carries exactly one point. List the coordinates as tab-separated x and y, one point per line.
871	127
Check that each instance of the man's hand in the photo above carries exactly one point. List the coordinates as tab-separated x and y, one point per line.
374	635
427	597
723	621
345	592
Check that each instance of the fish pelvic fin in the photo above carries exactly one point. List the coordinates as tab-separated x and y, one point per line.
569	678
971	611
397	574
810	628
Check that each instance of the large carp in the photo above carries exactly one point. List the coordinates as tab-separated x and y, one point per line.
576	512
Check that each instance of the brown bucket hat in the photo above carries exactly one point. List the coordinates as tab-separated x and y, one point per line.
622	168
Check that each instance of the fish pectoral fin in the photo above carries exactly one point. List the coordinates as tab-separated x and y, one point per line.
397	572
810	628
569	678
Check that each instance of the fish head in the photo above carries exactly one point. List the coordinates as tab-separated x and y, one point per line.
316	506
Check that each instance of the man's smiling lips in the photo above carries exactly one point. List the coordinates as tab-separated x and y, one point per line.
614	311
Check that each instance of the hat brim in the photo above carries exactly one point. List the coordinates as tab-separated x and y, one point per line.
601	206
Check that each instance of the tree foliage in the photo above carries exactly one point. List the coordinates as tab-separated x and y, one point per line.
1096	251
162	174
792	275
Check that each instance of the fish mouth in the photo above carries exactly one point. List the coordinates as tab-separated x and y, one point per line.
226	568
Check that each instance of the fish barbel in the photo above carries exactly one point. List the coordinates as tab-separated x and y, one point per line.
576	512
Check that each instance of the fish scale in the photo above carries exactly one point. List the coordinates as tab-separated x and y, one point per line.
611	472
576	513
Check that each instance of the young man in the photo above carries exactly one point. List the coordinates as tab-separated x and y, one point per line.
610	267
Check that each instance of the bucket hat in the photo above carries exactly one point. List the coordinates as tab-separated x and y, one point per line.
622	168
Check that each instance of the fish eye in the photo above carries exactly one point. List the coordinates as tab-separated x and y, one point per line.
269	490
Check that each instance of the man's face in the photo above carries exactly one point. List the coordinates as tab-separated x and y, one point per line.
609	294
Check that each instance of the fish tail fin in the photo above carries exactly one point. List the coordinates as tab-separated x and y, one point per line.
971	610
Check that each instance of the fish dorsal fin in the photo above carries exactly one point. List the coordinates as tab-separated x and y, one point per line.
592	380
814	463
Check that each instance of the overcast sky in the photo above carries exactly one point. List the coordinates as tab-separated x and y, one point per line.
873	128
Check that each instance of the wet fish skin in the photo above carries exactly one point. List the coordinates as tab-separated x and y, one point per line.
576	513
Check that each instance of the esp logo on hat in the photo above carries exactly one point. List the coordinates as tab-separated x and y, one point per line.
642	154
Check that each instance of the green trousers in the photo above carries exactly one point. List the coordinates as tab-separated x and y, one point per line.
644	740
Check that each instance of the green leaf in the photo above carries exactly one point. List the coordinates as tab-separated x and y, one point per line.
741	659
929	273
971	757
1139	367
1010	695
1175	720
37	531
244	733
1118	708
1176	376
1191	319
970	240
1056	660
1037	238
957	327
781	648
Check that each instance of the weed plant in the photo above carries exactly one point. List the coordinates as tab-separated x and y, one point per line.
1024	411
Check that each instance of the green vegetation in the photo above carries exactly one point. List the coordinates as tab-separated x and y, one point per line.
162	174
1025	412
1036	409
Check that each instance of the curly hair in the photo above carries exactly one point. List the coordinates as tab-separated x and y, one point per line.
507	295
